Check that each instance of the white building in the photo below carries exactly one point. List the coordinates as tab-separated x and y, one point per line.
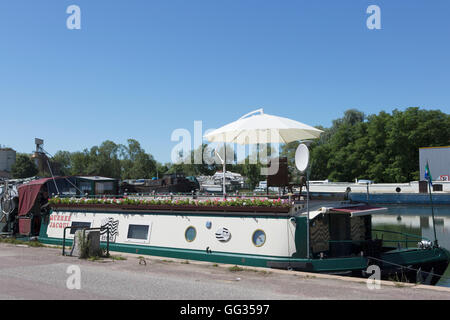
438	159
7	159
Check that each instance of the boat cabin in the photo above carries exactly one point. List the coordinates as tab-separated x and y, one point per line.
342	231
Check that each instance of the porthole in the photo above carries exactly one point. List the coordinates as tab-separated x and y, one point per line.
190	234
259	238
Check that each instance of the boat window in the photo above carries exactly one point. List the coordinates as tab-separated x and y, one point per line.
79	224
138	231
190	234
85	186
259	238
104	187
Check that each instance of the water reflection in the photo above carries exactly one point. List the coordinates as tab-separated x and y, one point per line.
416	220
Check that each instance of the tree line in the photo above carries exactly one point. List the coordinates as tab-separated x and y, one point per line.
382	147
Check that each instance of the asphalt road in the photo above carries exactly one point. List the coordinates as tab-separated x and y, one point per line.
42	273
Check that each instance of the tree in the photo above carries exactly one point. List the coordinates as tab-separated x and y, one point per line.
105	160
251	171
63	159
79	162
109	160
406	132
208	165
136	164
382	147
24	167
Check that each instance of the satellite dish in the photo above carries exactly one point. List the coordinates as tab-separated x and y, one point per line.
302	157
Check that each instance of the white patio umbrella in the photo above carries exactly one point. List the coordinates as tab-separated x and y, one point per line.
254	128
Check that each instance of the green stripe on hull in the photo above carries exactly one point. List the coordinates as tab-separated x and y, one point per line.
415	256
326	265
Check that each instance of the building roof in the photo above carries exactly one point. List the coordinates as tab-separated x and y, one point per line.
435	147
96	178
5	174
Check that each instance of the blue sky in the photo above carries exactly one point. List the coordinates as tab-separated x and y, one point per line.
141	69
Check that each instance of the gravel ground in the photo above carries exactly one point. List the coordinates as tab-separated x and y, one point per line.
42	273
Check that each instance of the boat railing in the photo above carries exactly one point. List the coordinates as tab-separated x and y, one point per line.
407	237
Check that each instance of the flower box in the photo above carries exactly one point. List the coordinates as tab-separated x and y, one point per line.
168	207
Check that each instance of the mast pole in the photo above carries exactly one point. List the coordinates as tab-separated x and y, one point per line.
430	185
432	216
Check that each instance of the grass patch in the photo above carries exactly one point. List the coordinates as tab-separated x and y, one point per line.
258	271
113	257
32	243
235	269
263	271
185	262
56	247
215	265
399	282
94	258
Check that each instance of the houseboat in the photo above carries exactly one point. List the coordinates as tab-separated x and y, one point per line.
323	236
334	237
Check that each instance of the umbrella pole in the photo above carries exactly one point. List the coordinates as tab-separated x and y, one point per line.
224	169
307	214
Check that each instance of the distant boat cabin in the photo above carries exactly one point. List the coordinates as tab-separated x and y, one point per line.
82	186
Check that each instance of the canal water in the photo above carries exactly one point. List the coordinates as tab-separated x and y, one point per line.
416	220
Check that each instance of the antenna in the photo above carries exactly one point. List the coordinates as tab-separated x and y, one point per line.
302	157
218	155
301	162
